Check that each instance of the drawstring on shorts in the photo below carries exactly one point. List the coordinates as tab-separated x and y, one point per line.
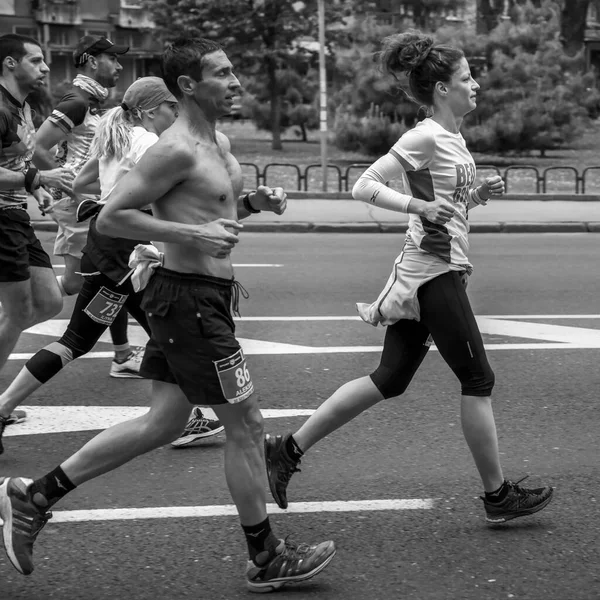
236	289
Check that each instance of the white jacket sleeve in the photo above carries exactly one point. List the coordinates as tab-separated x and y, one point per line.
372	188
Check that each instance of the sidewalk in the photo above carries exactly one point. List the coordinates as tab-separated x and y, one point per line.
340	213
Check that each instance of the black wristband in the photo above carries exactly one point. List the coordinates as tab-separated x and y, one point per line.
247	205
30	178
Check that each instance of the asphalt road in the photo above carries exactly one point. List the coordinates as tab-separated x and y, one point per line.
542	293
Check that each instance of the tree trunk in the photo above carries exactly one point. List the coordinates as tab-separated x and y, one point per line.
275	105
304	133
488	14
572	24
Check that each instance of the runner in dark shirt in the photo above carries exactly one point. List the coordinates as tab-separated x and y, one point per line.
28	290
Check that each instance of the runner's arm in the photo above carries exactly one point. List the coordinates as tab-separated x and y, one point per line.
87	180
163	166
48	136
372	188
11	179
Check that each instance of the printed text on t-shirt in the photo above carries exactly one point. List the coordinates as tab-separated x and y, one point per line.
465	176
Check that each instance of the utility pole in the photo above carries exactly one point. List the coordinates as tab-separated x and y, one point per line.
323	92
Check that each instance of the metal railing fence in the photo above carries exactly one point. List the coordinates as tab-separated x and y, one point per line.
518	178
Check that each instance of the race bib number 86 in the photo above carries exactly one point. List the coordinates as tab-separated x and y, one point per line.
234	377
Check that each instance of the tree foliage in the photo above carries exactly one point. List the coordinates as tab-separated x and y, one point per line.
533	95
263	38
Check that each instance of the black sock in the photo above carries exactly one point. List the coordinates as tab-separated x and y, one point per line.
292	449
497	495
260	538
49	489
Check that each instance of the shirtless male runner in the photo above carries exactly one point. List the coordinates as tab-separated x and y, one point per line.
194	185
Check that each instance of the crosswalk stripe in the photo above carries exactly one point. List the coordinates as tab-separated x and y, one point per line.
64	419
227	510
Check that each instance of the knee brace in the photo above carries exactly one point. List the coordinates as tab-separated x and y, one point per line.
46	363
478	384
390	382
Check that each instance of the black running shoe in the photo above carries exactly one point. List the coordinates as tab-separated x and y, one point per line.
280	467
292	563
23	520
3	424
17	416
519	502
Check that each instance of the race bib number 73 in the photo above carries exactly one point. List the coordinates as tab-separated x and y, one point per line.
234	377
105	306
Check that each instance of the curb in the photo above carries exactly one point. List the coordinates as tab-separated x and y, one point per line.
539	197
375	227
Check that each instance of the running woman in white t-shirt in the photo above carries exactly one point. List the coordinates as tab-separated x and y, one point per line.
425	295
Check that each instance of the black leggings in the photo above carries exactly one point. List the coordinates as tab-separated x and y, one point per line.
83	332
447	315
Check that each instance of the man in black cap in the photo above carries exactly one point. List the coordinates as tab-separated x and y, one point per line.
70	128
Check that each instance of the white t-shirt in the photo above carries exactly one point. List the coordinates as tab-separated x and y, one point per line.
112	170
438	166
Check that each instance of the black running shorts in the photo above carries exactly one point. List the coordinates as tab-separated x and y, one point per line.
192	342
19	246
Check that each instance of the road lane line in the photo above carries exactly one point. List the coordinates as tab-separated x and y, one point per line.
274	349
65	419
236	265
227	510
548	336
357	318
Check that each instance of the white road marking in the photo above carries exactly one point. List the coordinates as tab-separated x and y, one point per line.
257	265
551	337
227	510
235	265
589	338
62	419
357	318
269	348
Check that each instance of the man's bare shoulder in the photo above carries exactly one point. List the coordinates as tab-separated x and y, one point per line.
223	141
173	147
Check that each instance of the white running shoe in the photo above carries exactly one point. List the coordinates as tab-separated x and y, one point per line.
130	367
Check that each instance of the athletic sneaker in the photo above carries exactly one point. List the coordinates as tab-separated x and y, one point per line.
23	520
128	368
519	502
3	424
292	563
197	428
280	467
17	416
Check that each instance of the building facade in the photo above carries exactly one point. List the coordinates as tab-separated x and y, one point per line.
58	24
402	14
592	36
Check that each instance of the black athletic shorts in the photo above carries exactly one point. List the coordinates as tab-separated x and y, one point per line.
19	246
192	342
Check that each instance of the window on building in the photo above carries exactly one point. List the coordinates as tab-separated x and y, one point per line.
122	37
7	7
137	39
60	35
131	3
101	32
28	31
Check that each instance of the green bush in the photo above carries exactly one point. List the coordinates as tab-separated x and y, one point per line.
372	135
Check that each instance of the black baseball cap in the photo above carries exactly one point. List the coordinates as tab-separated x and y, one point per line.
92	45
